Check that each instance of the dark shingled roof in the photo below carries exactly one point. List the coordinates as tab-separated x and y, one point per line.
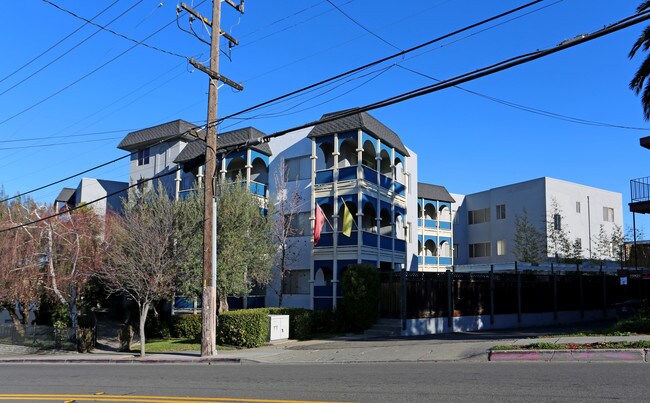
148	136
434	192
65	195
363	121
196	149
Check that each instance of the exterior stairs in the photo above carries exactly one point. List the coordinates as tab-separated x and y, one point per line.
385	328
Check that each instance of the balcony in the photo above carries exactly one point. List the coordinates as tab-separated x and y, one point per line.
640	195
258	188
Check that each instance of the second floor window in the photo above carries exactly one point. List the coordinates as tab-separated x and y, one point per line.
143	156
298	168
557	222
478	216
608	214
480	249
501	211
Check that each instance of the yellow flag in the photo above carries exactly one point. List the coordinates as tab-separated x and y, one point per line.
347	221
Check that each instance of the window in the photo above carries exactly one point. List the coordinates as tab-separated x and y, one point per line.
298	168
478	216
608	214
577	207
296	282
143	156
480	249
557	222
299	224
501	212
578	243
501	247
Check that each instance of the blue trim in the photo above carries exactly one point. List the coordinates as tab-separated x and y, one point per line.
400	188
348	173
366	137
369	239
445	260
256	154
430	260
399	156
326	240
325	200
385	181
323	290
384	205
347	240
445	225
420	222
445	238
419	259
401	211
442	204
431	238
258	188
368	199
369	174
236	154
400	245
325	139
429	223
388	149
420	202
386	242
347	135
324	176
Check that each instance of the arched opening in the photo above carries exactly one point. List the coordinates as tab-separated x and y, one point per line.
445	213
369	155
430	248
353	210
328	210
385	164
419	248
445	249
323	276
399	171
236	169
430	212
419	211
369	220
325	157
400	230
259	171
386	227
348	153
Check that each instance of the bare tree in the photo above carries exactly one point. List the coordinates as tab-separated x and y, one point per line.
286	225
558	243
529	241
142	254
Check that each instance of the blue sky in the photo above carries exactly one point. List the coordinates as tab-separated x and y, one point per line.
465	141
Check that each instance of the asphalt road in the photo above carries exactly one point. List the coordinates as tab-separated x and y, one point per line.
385	382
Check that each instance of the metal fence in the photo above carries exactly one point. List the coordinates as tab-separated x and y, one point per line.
412	295
38	337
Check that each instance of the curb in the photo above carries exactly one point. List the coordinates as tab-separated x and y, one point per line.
583	355
134	360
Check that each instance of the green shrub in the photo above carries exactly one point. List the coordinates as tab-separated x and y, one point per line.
186	326
85	340
300	321
328	321
360	296
156	327
243	328
637	324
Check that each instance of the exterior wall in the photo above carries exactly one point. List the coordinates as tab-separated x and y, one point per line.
90	189
412	211
435	228
536	198
161	160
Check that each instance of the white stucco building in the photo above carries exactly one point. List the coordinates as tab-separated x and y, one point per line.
484	222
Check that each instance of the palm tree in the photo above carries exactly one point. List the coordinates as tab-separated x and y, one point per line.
638	83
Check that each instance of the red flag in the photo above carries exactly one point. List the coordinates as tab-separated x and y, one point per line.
318	223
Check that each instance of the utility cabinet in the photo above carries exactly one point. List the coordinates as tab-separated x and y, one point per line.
278	327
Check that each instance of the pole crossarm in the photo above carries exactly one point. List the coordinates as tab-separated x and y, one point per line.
239	7
216	75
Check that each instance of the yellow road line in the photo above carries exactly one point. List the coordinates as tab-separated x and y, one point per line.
144	399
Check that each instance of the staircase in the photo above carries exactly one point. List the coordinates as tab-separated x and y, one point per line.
385	328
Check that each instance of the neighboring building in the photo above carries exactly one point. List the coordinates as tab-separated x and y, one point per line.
435	228
153	151
90	189
485	221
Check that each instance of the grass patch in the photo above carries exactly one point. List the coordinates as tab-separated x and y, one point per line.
576	346
172	345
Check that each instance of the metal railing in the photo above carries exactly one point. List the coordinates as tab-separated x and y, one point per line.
640	189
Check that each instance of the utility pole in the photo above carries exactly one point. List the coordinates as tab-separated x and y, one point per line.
209	296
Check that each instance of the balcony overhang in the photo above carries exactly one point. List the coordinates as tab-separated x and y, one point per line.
642	207
645	142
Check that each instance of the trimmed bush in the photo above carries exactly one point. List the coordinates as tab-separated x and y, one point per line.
85	340
328	321
156	327
245	328
300	321
186	326
360	296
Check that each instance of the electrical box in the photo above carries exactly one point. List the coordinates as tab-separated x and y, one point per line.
278	327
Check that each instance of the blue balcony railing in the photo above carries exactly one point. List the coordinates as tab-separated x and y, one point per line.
400	189
258	188
444	225
369	239
325	176
370	175
400	245
385	181
347	173
445	260
430	260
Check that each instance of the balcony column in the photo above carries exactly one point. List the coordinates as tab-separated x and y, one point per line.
335	220
248	167
223	169
359	151
312	219
177	185
200	177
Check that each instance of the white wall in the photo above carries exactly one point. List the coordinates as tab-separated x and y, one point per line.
412	211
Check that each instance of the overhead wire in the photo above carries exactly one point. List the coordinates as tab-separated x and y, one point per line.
470	76
57	43
339	9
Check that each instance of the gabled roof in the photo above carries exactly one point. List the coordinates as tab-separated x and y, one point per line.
363	121
65	195
194	151
434	192
151	135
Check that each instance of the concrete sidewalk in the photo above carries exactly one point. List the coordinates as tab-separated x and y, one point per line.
449	347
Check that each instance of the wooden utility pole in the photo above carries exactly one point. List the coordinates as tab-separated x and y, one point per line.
209	297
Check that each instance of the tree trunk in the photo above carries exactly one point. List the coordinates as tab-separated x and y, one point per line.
72	305
144	309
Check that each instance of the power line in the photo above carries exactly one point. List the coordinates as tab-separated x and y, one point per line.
476	74
57	144
67	136
34	74
84	76
531	109
57	43
361	25
115	33
85	204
